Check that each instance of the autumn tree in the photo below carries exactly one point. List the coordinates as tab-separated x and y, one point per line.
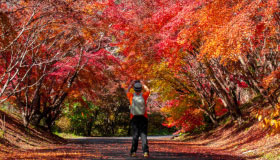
199	54
59	43
219	49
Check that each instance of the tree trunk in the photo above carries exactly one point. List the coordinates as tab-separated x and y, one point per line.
26	120
213	119
49	123
89	126
211	115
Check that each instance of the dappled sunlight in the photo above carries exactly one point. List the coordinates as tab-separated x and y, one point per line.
117	148
210	70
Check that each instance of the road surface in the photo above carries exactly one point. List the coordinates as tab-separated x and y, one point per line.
117	148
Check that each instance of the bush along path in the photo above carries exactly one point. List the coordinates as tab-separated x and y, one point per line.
118	148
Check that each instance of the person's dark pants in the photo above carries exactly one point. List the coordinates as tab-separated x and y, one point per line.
139	126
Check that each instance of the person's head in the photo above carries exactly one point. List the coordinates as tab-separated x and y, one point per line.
137	86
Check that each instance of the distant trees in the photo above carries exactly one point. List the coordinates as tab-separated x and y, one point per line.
106	115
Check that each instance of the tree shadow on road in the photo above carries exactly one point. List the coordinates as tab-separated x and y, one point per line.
119	149
70	153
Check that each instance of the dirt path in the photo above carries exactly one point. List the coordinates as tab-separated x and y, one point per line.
118	148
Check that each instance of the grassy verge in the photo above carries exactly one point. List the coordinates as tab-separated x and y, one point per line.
162	132
66	135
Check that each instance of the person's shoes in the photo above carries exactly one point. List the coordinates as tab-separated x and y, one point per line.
133	154
146	154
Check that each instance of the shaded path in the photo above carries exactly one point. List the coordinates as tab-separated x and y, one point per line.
118	148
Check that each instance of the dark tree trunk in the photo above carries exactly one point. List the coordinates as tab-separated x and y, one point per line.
89	126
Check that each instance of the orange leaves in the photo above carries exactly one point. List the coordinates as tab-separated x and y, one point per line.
269	119
182	37
187	36
160	41
225	37
53	154
92	8
268	80
86	32
90	35
271	78
224	27
75	94
182	114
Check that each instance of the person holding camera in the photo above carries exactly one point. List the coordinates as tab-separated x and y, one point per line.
138	115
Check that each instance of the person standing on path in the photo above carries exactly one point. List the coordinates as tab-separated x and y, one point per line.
138	116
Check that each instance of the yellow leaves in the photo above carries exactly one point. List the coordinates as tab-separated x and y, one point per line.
275	114
164	110
278	107
259	117
89	8
112	117
273	123
270	119
266	121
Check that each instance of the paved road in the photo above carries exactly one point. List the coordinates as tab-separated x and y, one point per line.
118	148
160	148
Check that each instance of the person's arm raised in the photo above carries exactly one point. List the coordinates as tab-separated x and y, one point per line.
145	87
129	86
